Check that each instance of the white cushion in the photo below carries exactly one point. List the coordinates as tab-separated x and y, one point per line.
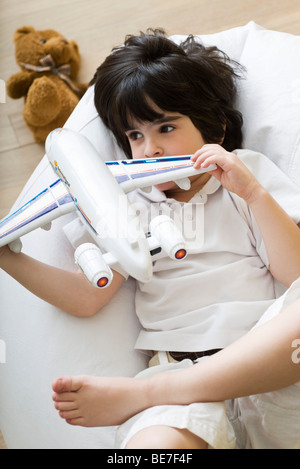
42	343
269	98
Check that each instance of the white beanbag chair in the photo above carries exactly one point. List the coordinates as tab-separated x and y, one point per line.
38	342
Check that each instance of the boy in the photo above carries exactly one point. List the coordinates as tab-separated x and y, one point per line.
160	99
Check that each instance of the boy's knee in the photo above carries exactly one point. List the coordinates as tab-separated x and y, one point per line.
164	437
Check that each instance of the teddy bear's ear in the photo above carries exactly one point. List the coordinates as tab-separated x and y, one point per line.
21	31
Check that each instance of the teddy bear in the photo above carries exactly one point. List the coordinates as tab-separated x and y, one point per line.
49	65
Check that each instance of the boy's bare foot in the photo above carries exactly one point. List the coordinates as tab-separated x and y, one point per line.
94	402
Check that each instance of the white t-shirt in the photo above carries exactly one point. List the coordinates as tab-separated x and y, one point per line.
220	290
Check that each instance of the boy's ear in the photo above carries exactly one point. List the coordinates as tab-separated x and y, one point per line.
224	132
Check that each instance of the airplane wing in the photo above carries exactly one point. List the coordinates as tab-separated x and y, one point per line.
51	203
144	173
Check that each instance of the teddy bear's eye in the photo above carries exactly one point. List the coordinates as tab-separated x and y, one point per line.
43	41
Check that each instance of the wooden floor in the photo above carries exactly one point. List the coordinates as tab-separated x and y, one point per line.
97	26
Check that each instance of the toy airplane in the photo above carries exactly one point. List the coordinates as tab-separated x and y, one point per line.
97	191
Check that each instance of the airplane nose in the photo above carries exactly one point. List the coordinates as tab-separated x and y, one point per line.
49	140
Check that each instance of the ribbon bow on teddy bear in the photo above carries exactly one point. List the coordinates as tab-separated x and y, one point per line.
49	65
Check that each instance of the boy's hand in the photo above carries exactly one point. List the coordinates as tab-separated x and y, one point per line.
231	171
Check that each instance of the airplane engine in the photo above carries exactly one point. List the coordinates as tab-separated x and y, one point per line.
90	260
168	236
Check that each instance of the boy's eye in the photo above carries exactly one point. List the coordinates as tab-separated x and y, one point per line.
134	135
166	128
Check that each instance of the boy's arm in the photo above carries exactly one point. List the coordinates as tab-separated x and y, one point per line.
280	234
69	291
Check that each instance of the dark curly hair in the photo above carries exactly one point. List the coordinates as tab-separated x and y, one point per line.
193	80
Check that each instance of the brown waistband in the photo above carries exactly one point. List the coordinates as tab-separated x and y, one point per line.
179	356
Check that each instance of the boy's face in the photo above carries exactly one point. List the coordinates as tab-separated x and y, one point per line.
172	135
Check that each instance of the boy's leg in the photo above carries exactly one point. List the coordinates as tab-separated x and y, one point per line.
163	437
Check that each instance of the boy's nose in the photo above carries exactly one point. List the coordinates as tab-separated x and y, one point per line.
153	149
